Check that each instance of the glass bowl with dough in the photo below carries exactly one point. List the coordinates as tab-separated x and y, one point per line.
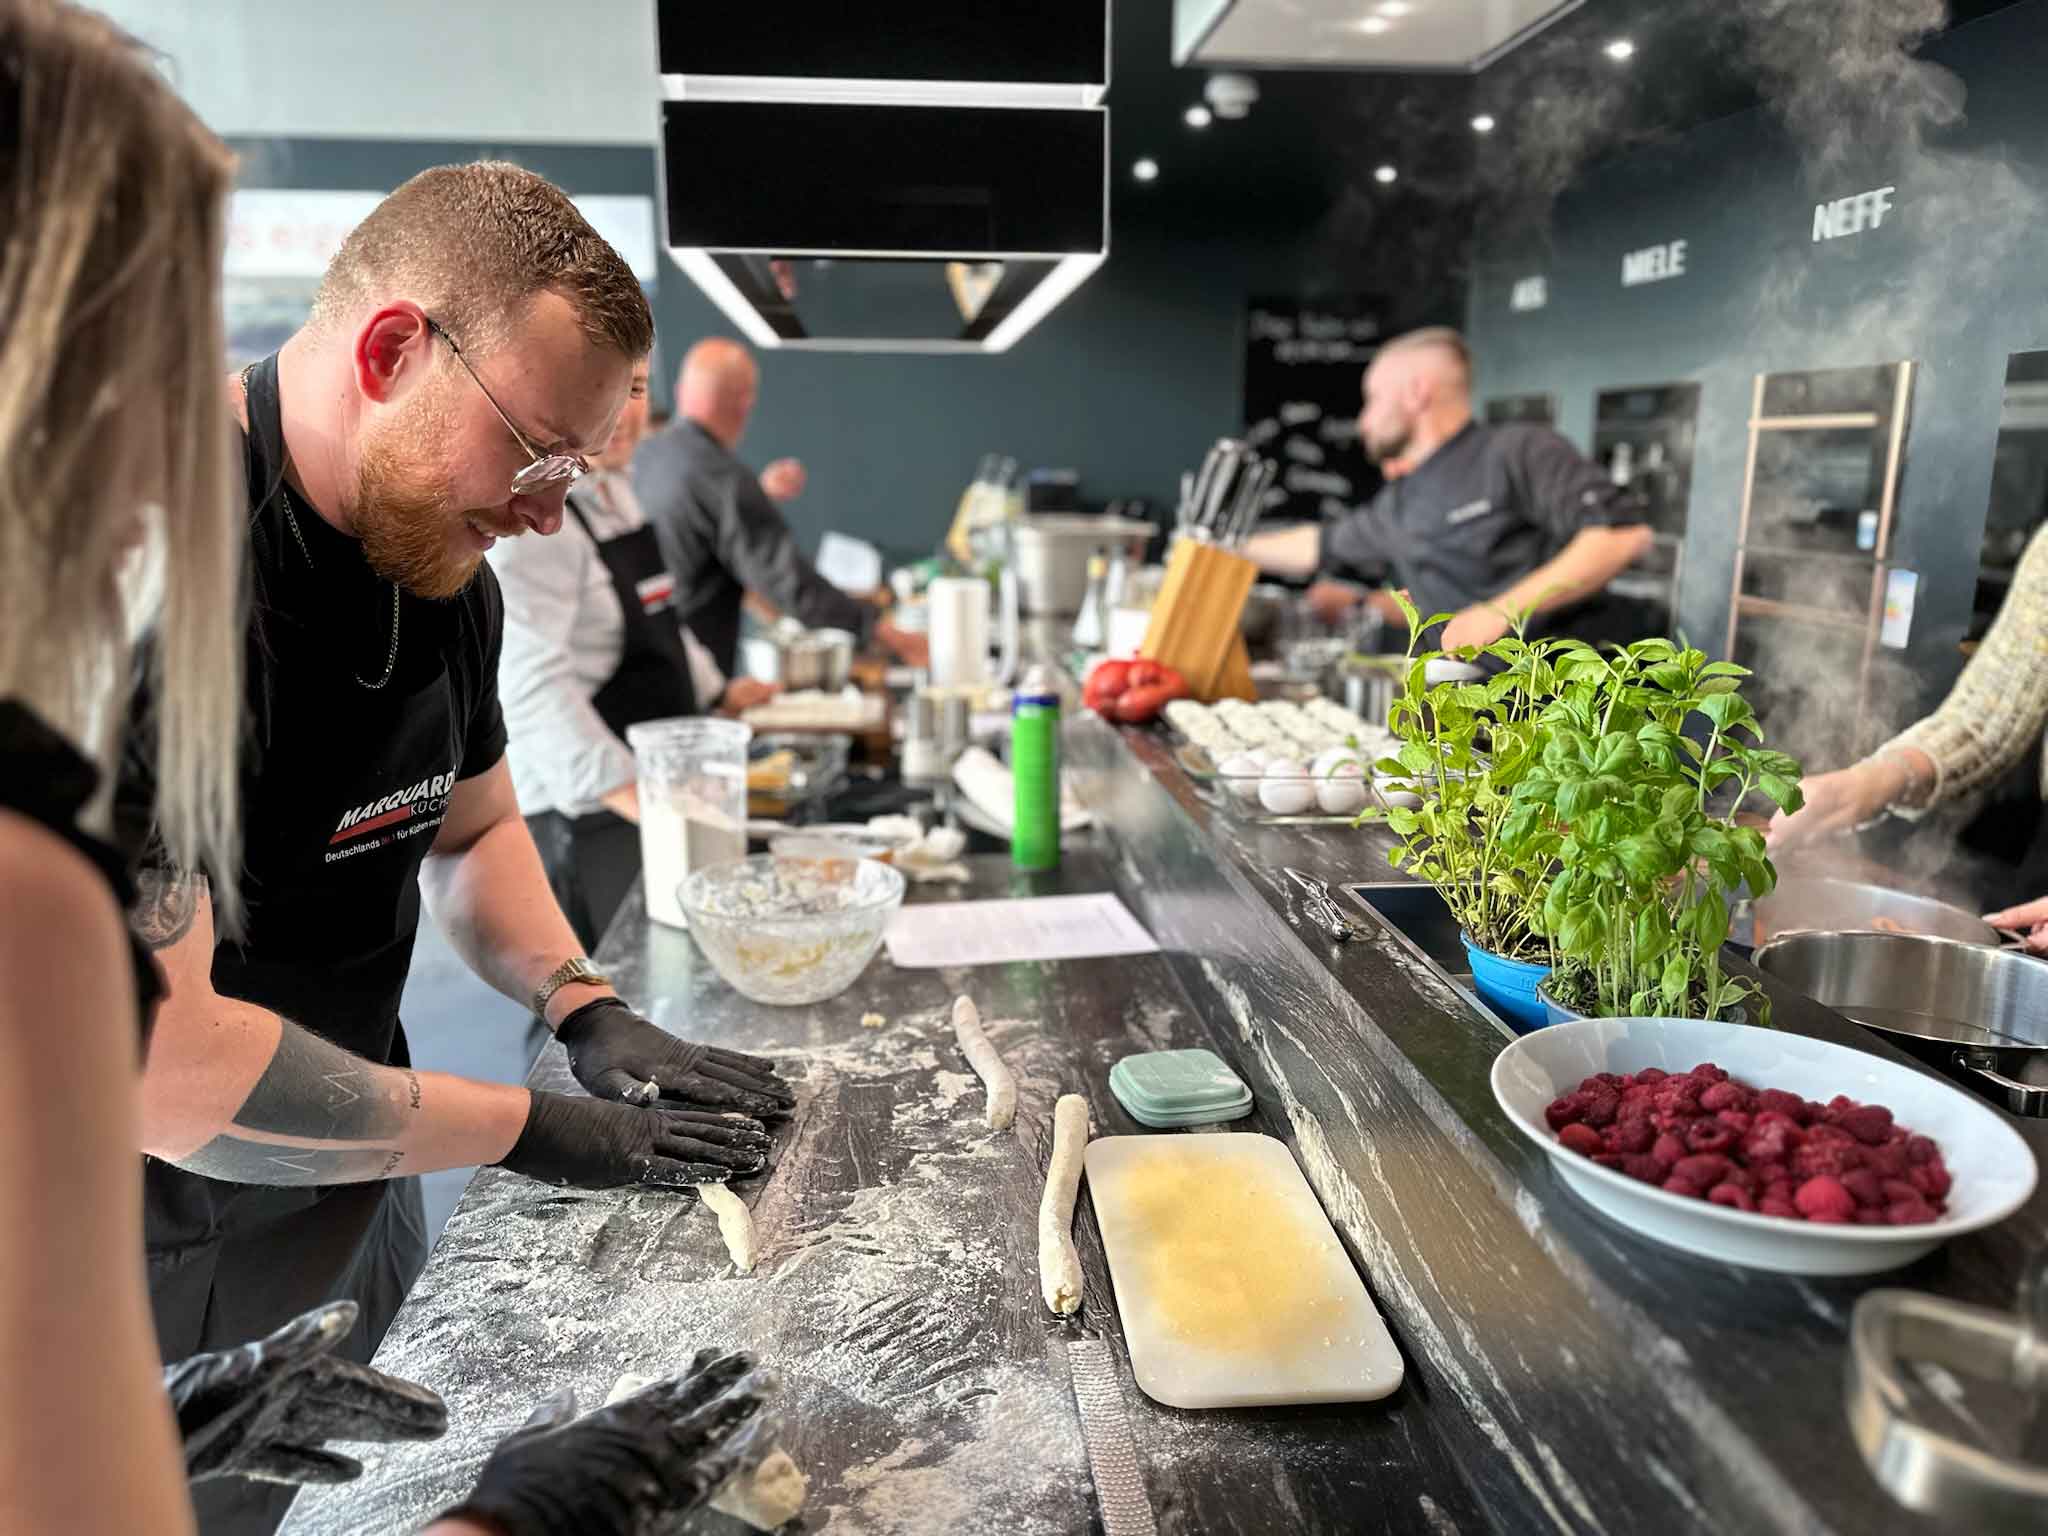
791	930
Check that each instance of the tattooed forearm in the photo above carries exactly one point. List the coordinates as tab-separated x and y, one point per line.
166	902
263	1162
315	1090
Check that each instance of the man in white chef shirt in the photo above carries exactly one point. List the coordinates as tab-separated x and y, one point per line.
578	668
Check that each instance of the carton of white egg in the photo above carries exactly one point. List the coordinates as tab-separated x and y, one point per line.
1339	778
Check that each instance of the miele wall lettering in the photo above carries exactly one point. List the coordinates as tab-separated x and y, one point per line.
1653	264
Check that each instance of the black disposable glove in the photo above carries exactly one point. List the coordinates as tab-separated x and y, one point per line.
616	1054
595	1144
622	1469
263	1411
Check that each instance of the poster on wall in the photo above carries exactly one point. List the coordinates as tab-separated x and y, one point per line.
280	240
1303	365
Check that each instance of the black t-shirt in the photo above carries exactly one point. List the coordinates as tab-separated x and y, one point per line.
1484	510
320	610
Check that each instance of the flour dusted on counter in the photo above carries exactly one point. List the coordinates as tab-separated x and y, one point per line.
767	1498
680	833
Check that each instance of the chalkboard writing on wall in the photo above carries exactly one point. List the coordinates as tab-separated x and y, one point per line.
1303	364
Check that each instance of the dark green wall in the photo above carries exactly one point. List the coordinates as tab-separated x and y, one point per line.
1956	279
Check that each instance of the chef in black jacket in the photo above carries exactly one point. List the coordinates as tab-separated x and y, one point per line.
472	340
1485	523
721	531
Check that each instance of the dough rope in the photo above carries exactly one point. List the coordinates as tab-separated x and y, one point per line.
735	1224
987	1063
1059	1266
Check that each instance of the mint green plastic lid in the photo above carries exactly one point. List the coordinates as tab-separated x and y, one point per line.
1174	1088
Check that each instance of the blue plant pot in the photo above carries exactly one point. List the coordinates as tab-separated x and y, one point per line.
1508	986
1555	1012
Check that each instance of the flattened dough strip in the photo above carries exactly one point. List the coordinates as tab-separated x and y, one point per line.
735	1224
987	1063
1059	1266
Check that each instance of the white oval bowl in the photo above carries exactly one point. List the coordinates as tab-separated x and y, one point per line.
1993	1169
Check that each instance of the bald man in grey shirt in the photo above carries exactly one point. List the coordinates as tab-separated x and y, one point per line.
721	532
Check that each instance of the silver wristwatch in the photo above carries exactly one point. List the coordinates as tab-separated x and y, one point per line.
568	973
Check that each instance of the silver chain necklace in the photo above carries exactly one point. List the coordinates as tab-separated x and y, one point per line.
291	518
391	660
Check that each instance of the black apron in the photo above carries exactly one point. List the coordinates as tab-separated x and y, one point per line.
331	881
593	860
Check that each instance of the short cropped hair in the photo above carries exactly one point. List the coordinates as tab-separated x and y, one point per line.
1439	337
472	245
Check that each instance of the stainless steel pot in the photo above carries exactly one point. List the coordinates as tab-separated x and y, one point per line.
1824	904
1974	1011
799	658
1050	554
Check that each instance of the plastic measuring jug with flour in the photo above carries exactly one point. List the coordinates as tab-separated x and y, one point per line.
693	803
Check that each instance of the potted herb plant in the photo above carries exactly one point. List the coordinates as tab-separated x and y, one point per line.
1647	755
1466	748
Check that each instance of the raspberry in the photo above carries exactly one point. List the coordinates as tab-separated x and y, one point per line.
1726	1095
1826	1159
1778	1101
1731	1195
1704	1169
1668	1149
1706	1072
1868	1123
1686	1187
1864	1185
1709	1136
1611	1079
1630	1136
1602	1105
1737	1120
1771	1139
1908	1213
1582	1139
1608	1159
1651	1075
1814	1113
1870	1216
1888	1161
1562	1111
1931	1179
1638	1099
1779	1190
1642	1166
1680	1095
1778	1205
1921	1149
1824	1199
1828	1132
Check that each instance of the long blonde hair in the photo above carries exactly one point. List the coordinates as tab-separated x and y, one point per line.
115	443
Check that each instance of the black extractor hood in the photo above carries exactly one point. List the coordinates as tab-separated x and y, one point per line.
925	178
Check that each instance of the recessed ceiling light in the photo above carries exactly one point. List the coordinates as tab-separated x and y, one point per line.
1197	116
1386	175
1395	8
1374	24
1483	123
1146	169
1621	48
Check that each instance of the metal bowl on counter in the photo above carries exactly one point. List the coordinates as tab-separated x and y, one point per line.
1993	1169
799	658
1969	1009
1828	904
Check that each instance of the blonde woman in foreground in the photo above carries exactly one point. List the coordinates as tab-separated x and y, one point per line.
119	516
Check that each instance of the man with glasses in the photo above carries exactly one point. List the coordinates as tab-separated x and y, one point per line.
470	346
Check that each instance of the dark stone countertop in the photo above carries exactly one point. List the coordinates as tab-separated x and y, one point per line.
1562	1376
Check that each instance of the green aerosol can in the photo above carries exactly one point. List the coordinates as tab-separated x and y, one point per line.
1035	772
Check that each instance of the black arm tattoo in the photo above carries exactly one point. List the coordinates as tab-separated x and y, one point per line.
317	1115
264	1162
317	1091
166	902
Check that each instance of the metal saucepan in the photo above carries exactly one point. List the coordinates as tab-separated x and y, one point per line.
1825	904
1978	1012
799	658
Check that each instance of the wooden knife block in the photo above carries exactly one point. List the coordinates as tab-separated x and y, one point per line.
1194	626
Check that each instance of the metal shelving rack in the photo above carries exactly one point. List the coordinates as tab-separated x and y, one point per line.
1889	408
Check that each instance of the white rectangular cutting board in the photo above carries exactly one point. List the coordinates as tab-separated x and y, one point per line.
1233	1287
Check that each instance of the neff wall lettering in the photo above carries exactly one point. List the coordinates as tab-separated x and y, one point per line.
1653	264
1529	293
1852	215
